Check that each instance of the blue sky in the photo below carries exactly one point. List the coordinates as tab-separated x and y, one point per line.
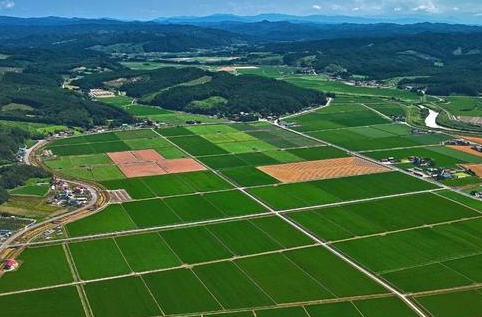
149	9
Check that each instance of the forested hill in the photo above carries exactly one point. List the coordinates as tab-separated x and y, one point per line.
36	98
12	175
294	32
105	34
198	91
448	63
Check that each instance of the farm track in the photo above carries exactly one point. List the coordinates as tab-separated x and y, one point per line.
412	305
13	246
23	240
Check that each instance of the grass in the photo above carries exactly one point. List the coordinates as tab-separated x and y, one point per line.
318	153
463	106
442	256
168	185
197	146
124	297
150	213
196	245
320	83
463	304
185	294
147	252
282	279
314	260
442	156
377	137
326	121
280	231
233	235
194	208
39	267
43	303
28	206
297	195
381	216
111	219
219	279
282	312
33	187
234	203
34	128
98	259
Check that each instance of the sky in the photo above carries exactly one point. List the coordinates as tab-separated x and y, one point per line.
150	9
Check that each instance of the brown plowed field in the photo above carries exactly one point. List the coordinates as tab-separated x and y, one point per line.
475	168
323	169
181	166
122	158
471	138
466	149
148	156
150	163
141	169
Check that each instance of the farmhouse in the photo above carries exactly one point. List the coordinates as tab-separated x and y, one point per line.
101	93
11	265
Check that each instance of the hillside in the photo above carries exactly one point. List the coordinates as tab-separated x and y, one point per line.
33	98
449	63
197	91
106	34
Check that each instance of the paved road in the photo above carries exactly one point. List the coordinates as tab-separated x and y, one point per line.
406	299
24	234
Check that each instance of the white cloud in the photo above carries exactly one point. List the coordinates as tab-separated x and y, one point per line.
7	4
397	9
316	7
426	6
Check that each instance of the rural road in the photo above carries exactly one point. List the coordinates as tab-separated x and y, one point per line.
16	238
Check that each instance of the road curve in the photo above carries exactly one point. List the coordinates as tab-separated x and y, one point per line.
97	202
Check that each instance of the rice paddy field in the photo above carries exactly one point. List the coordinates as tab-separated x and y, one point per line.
157	114
234	241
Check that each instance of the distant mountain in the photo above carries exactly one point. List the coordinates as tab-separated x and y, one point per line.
320	19
288	31
51	21
105	35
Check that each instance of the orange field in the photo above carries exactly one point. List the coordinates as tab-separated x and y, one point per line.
323	169
475	168
123	158
150	163
474	139
466	149
181	165
148	156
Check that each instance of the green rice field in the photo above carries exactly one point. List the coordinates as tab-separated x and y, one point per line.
233	241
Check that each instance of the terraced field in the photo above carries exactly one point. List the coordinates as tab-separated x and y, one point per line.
235	241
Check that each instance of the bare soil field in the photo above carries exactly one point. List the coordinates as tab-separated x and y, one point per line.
466	149
150	163
322	169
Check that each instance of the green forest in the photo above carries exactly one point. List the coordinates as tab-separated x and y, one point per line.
12	175
213	93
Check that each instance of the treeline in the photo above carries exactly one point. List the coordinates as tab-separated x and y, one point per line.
245	93
11	139
106	35
140	83
11	174
449	62
40	99
199	91
17	175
